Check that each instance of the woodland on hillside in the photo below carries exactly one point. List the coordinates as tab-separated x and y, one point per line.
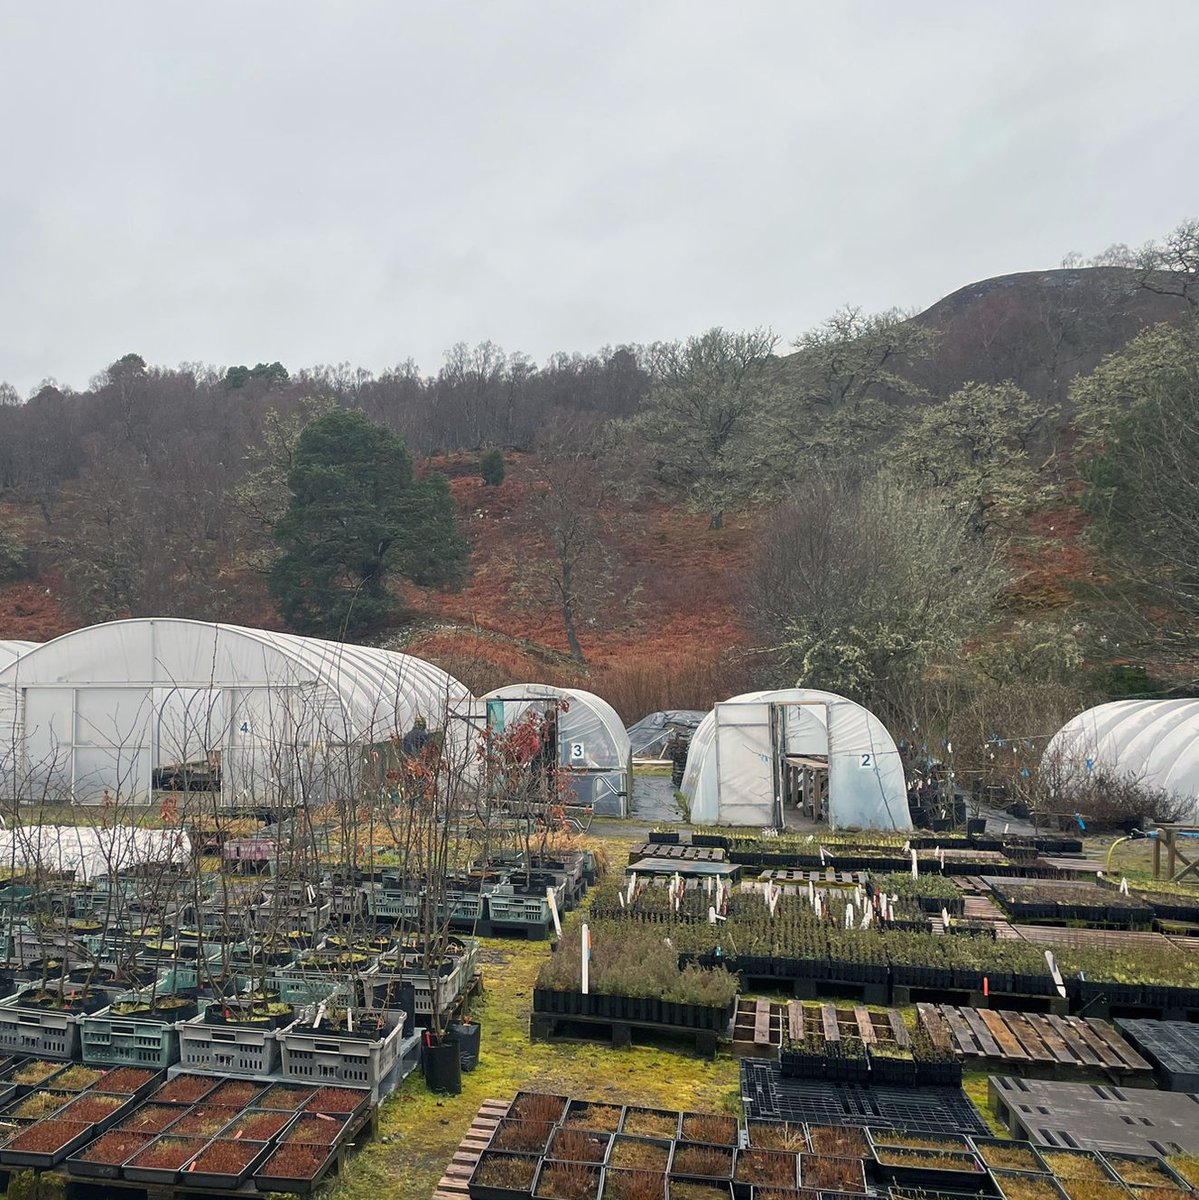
976	518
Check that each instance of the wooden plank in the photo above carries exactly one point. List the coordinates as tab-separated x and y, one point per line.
1004	1037
1051	1038
828	1015
967	1039
1083	1052
1124	1049
762	1023
865	1025
989	1046
795	1020
935	1025
1085	1034
899	1029
1030	1039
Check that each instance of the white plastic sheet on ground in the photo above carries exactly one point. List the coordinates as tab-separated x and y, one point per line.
90	852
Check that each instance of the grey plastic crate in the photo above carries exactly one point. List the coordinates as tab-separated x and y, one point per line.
386	905
40	1034
343	1059
228	1049
128	1042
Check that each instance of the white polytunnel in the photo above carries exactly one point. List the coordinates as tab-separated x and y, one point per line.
592	741
130	707
11	651
1155	742
749	753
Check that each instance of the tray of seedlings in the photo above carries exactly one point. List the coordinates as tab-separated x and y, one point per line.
630	1153
568	1181
943	1163
104	1157
503	1175
45	1143
1069	901
650	1122
163	1158
763	1169
224	1163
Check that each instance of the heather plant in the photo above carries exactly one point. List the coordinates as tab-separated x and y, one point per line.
710	1128
634	1185
1073	1164
708	1162
568	1181
780	1135
639	1154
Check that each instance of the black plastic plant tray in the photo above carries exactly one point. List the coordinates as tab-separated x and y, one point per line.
222	1180
264	1181
1172	1047
76	1164
1084	1116
766	1095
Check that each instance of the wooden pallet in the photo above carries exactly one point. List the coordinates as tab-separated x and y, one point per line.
798	877
758	1028
680	850
1115	938
453	1185
1033	1042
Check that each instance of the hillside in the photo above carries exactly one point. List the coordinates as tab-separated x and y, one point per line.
1038	328
138	471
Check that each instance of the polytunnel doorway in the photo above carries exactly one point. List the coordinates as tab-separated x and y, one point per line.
789	738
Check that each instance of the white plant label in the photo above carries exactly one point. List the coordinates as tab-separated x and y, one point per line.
585	954
1058	982
549	895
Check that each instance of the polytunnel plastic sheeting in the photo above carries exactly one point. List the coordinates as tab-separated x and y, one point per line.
729	776
648	737
107	704
1155	742
91	852
589	723
10	651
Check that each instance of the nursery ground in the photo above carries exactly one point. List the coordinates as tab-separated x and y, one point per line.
419	1132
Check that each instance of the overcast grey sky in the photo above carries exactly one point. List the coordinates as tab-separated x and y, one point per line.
317	182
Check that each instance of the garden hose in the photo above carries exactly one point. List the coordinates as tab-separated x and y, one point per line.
1126	838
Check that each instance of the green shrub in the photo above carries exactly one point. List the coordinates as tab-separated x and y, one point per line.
491	467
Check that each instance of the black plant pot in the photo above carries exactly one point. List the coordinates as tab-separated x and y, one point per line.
470	1042
442	1065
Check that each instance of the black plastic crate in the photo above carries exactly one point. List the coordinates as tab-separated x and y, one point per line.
1172	1047
767	1096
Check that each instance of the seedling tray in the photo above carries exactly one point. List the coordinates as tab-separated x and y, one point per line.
148	1174
483	1191
15	1157
77	1164
265	1181
766	1095
224	1181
